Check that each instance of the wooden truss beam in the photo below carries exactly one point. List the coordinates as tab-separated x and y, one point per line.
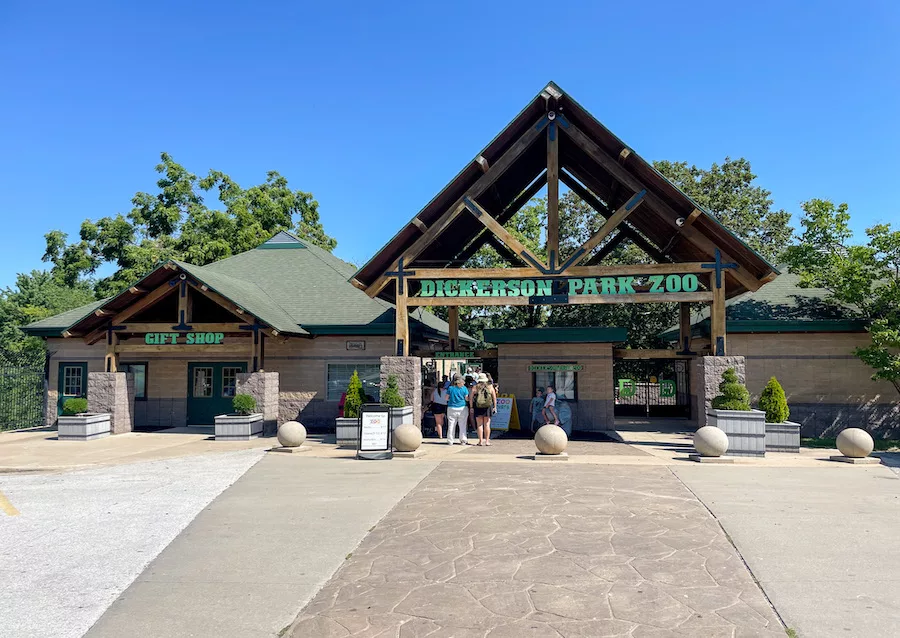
503	250
227	304
611	224
552	195
680	268
479	187
505	236
643	297
604	252
148	300
169	327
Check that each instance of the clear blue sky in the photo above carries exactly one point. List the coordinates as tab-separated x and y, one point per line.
374	109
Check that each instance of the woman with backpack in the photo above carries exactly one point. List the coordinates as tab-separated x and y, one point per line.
484	404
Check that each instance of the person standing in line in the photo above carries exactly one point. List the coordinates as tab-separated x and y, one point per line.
484	404
537	408
457	412
470	385
439	408
445	384
550	406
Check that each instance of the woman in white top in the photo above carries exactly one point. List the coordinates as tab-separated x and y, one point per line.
439	408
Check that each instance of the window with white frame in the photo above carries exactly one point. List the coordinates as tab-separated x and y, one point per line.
339	378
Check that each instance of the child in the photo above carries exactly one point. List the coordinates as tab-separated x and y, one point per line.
550	406
537	407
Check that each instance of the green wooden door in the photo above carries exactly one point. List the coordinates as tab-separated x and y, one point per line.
72	382
211	389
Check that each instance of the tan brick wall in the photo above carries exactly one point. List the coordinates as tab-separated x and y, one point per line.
65	351
812	368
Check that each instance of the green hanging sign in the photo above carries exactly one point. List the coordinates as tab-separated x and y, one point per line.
555	367
461	354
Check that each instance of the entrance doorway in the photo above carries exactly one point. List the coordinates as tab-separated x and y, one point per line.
652	388
211	389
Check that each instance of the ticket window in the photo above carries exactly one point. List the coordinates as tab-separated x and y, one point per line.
565	382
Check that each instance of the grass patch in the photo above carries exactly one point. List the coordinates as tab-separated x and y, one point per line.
881	445
791	632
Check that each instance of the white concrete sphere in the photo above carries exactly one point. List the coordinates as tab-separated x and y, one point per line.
551	439
855	443
407	438
710	441
291	434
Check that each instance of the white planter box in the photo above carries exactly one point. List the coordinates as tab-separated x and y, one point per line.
238	427
346	431
83	427
746	430
400	416
783	437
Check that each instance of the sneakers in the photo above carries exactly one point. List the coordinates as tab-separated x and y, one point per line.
449	441
464	441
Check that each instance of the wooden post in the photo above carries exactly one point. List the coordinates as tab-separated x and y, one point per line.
684	332
401	330
111	360
453	316
553	195
717	318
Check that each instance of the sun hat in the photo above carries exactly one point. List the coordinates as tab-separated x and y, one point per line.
482	378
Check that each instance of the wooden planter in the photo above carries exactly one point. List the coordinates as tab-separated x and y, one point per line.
783	437
239	427
746	430
83	427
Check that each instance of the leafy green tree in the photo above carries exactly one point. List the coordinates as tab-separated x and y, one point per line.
733	395
391	394
728	192
774	402
355	397
177	223
865	277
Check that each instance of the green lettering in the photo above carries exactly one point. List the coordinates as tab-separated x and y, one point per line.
625	287
673	283
590	286
689	283
427	288
173	338
220	337
512	288
608	286
656	283
575	285
465	288
498	288
482	288
446	288
189	338
544	287
149	339
528	287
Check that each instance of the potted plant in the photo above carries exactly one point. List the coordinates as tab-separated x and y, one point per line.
781	435
243	424
346	427
731	413
401	414
77	424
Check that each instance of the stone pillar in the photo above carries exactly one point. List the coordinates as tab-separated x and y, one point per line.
262	386
113	393
408	371
706	375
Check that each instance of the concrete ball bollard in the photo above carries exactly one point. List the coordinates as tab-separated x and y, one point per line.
291	434
551	439
710	441
407	438
855	443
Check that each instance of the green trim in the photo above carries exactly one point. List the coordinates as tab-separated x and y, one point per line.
771	326
365	329
556	335
268	246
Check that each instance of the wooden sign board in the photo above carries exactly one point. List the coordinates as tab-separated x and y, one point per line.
356	345
462	354
555	367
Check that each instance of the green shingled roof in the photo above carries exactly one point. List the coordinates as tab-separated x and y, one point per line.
779	306
297	289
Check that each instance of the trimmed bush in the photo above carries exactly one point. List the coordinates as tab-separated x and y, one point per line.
774	402
391	395
733	395
71	407
243	404
355	398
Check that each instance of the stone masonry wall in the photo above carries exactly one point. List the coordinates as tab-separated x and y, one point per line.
113	392
262	386
706	375
408	371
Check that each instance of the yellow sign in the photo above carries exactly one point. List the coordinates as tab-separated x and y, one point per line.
507	417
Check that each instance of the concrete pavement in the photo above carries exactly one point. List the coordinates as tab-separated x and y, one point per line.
78	539
250	561
821	541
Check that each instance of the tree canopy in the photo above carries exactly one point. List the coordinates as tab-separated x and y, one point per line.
177	223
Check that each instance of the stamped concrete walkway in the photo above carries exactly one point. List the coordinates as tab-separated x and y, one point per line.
519	551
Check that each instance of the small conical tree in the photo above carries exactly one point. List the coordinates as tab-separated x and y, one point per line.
733	395
355	398
774	402
391	395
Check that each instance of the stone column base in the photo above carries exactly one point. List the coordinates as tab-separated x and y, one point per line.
112	393
408	371
262	386
706	375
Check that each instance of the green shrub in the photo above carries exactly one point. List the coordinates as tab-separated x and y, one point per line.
391	394
733	395
243	404
355	398
773	401
71	407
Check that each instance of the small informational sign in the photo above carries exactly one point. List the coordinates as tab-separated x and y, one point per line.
374	432
462	354
555	367
507	417
356	345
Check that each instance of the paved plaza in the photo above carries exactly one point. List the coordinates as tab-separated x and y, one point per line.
518	551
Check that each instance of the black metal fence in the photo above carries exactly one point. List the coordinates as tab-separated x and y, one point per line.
21	391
